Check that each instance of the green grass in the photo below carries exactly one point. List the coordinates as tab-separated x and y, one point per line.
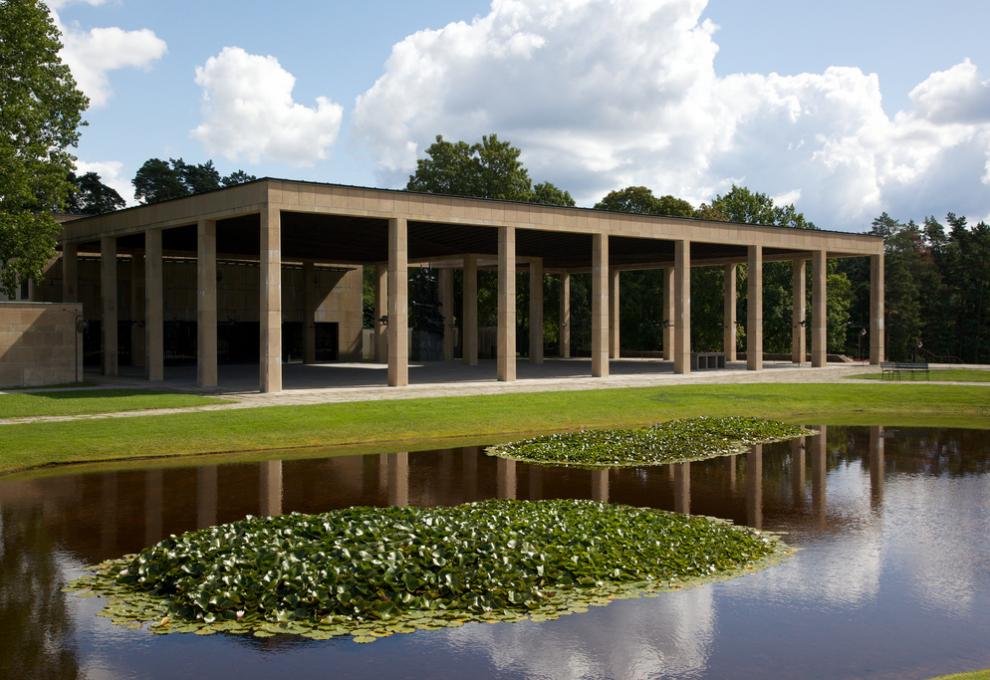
80	402
946	374
415	423
973	675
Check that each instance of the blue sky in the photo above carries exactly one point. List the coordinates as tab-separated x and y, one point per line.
599	96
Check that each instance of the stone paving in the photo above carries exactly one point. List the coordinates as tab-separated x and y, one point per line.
365	382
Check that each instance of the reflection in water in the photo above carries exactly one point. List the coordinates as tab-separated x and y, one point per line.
893	531
754	487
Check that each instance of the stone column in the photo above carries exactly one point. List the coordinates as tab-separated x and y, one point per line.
206	496
614	316
754	308
536	311
446	277
270	488
668	314
381	310
799	350
564	326
154	303
398	303
682	301
506	478
206	308
682	488
310	305
271	300
599	485
599	305
729	312
108	295
70	272
506	303
754	487
877	331
137	310
469	316
819	336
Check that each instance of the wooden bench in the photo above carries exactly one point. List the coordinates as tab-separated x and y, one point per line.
895	369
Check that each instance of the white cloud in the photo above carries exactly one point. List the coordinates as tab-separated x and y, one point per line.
92	54
112	174
249	112
600	94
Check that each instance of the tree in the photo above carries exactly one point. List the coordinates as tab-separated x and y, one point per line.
640	200
548	194
90	196
40	115
157	180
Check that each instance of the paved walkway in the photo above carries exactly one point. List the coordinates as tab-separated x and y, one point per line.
452	380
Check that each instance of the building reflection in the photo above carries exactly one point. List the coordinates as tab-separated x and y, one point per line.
798	447
206	496
270	488
599	485
876	454
153	496
682	488
754	487
397	465
819	472
506	480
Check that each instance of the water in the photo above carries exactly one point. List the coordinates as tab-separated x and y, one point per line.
892	579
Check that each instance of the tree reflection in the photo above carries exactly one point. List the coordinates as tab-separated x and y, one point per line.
34	623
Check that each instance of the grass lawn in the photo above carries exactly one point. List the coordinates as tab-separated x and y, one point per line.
947	374
974	675
412	423
78	402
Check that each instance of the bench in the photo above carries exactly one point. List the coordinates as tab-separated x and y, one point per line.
701	361
895	369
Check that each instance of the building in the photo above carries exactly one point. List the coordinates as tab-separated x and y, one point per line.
281	261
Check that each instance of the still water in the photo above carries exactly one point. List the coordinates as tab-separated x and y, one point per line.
892	579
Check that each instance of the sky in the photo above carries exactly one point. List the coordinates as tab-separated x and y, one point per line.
846	108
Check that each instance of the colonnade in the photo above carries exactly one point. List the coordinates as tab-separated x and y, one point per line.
392	303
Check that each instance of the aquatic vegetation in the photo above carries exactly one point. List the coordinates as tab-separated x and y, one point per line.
372	572
676	441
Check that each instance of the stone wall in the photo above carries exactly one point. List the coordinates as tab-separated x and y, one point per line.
339	291
40	344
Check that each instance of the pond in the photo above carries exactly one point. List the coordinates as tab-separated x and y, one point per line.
892	577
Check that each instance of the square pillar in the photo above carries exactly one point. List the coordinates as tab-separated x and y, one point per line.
271	299
398	303
381	312
206	303
876	309
108	296
310	305
447	311
799	312
154	303
819	331
599	305
469	315
614	344
682	303
667	314
754	308
564	325
506	303
536	311
137	310
729	312
70	272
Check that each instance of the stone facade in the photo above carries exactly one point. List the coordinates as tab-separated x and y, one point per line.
40	344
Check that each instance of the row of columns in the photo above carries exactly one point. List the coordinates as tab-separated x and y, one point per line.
391	336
